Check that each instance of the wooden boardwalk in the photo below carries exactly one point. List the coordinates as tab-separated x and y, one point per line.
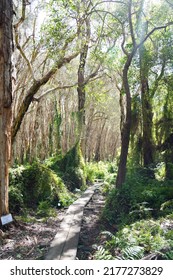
64	245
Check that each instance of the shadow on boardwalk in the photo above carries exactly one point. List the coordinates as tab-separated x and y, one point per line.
64	245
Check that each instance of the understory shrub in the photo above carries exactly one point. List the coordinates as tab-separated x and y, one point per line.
72	168
145	233
101	170
139	239
32	184
45	209
138	198
16	199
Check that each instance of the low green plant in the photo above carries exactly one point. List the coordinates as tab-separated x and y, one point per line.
141	211
16	200
168	255
138	198
137	240
106	188
102	254
44	209
160	171
101	170
167	207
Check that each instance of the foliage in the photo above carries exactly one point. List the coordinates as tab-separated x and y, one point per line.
167	207
142	212
138	198
16	199
59	27
16	189
72	168
44	209
34	184
137	240
101	170
102	254
96	170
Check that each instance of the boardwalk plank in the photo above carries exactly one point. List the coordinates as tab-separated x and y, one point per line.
64	245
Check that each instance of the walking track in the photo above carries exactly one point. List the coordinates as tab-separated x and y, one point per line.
64	245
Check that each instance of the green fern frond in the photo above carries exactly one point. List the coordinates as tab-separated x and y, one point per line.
103	254
108	233
133	253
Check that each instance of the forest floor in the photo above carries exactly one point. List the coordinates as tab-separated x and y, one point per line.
31	240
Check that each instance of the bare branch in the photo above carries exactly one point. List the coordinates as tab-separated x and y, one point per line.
171	4
106	1
152	31
16	27
123	41
50	91
22	18
37	84
92	75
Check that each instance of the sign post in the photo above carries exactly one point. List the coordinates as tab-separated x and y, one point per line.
6	219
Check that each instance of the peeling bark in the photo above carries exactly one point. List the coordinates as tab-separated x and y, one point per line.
6	12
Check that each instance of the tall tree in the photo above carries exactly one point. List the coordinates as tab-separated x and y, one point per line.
6	15
134	45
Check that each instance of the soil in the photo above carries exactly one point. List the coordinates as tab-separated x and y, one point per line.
31	241
28	241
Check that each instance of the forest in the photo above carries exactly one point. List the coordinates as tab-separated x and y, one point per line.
86	96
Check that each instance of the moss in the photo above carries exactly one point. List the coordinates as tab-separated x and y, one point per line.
35	183
72	168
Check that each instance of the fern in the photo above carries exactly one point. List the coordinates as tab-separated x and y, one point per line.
168	255
132	253
102	254
108	234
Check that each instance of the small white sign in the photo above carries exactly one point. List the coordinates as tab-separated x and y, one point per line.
6	219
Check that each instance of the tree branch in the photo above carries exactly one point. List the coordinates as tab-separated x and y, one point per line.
18	46
54	89
102	2
37	84
92	75
131	24
156	84
152	31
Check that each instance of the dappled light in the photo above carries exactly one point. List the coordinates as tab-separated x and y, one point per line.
86	130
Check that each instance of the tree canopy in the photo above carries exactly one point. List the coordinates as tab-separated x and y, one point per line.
86	83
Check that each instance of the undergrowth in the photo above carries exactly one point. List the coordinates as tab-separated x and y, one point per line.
141	212
71	168
31	185
139	239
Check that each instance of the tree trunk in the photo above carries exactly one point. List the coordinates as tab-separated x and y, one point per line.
6	12
147	116
81	85
97	157
125	131
147	124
